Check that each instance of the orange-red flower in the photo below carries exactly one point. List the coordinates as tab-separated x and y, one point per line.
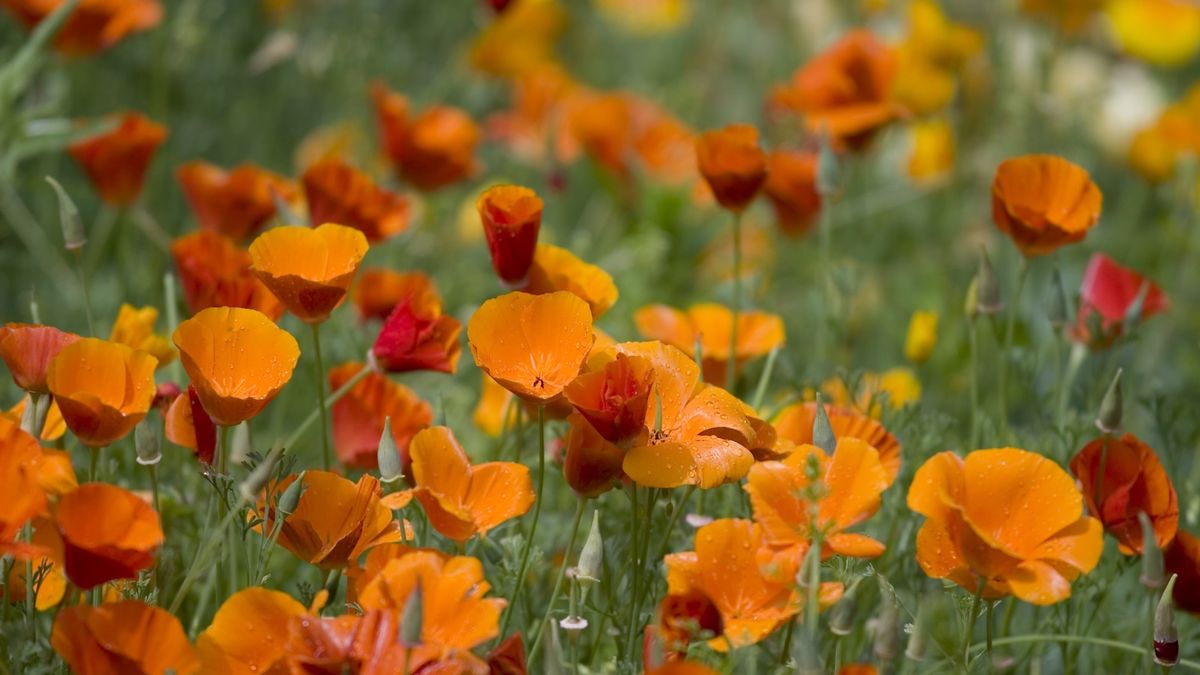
134	327
308	269
1108	293
1182	557
795	423
102	388
533	345
684	617
227	646
417	336
339	193
733	164
94	25
51	468
237	360
358	416
214	272
108	533
792	188
235	203
461	500
1006	518
28	349
122	637
379	290
557	269
1122	477
511	217
52	582
757	333
187	424
116	161
432	150
614	398
1043	202
600	124
23	497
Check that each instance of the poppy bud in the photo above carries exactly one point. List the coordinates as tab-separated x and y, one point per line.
511	217
413	616
239	443
1166	636
971	300
146	443
918	640
987	289
1058	311
68	215
592	555
887	636
1152	557
1109	419
391	467
258	478
33	419
822	434
290	498
841	616
828	168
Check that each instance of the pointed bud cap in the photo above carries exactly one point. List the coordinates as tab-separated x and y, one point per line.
987	289
68	216
290	498
1166	635
146	443
552	654
1152	557
841	616
391	469
1109	419
822	431
413	617
592	556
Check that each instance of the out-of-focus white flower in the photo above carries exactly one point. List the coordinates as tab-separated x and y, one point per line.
1133	101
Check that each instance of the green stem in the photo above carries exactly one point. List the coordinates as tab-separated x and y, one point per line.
764	381
30	594
812	617
973	342
519	583
87	298
787	642
170	302
666	540
1080	639
537	636
971	617
333	398
1006	354
731	363
326	453
825	247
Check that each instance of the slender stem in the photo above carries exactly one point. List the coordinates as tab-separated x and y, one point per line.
973	342
537	636
519	582
731	364
87	298
988	608
825	246
764	381
812	618
153	469
787	642
329	401
666	540
326	453
971	617
29	589
637	567
170	302
1006	354
1080	639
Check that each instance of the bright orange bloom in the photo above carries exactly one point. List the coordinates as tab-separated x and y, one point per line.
521	38
339	193
725	567
461	500
1005	517
377	559
227	647
122	637
214	272
432	150
359	415
51	469
1122	477
758	333
1043	202
682	618
237	359
557	269
665	146
379	290
108	533
533	345
417	336
28	349
511	217
116	161
94	25
733	164
53	429
134	327
531	128
23	497
102	388
308	269
1182	557
336	520
614	398
599	123
795	423
235	203
792	188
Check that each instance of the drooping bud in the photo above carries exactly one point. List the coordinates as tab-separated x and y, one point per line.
146	443
887	623
258	478
68	215
290	498
822	432
1058	309
592	556
828	167
1152	557
239	443
1109	419
391	469
841	616
987	289
1166	636
413	617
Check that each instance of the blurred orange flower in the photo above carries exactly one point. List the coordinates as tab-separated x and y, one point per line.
432	150
54	427
511	217
1122	477
236	203
792	188
339	193
1161	32
379	290
94	25
107	532
1043	202
237	360
102	388
28	349
733	164
51	468
122	637
308	269
684	617
116	161
521	39
226	647
1071	16
134	327
214	272
358	416
600	124
493	407
933	151
709	323
531	128
931	56
897	387
23	497
533	345
795	423
557	269
1182	557
1005	518
417	336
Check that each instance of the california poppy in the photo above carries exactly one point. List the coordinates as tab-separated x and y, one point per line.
508	658
431	150
187	424
1160	32
757	333
511	217
1182	557
135	327
733	164
664	146
51	469
932	156
1005	518
931	56
533	345
28	349
684	617
592	464
557	269
379	290
308	269
237	360
52	429
529	128
1043	202
614	398
795	423
23	497
122	637
377	559
214	272
339	193
102	388
462	500
600	124
51	582
236	203
116	161
358	416
1108	294
108	533
792	188
895	387
521	39
921	337
1122	477
417	336
93	25
226	646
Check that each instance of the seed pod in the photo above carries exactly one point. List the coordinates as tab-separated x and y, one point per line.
987	290
68	216
841	616
822	430
1152	557
239	443
290	498
391	469
592	556
1166	636
1109	419
146	444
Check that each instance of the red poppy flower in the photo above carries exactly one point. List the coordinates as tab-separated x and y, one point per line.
511	217
359	415
614	398
792	188
214	272
94	25
187	424
1106	297
1122	477
116	161
108	533
418	337
1182	557
339	193
28	349
733	164
236	203
379	290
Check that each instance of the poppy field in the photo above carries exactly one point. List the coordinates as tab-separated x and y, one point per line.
674	337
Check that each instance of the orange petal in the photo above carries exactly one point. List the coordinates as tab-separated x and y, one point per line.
499	491
248	633
705	461
855	480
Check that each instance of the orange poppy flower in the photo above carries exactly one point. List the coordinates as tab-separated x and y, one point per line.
592	464
54	426
336	520
214	272
227	647
557	269
599	123
795	423
683	617
52	583
377	559
134	327
725	568
511	216
308	269
431	151
492	411
28	349
792	188
1008	518
665	146
533	345
758	333
530	127
122	637
614	398
521	38
379	290
897	387
1043	202
102	388
733	164
359	415
417	336
235	203
50	468
1122	477
188	425
94	25
23	497
461	500
339	193
1182	557
116	161
237	360
108	533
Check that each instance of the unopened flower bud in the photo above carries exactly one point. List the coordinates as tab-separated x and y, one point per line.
413	616
591	557
1109	419
822	432
68	216
1152	557
841	616
1166	636
290	498
987	290
391	469
887	623
146	443
552	658
239	443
